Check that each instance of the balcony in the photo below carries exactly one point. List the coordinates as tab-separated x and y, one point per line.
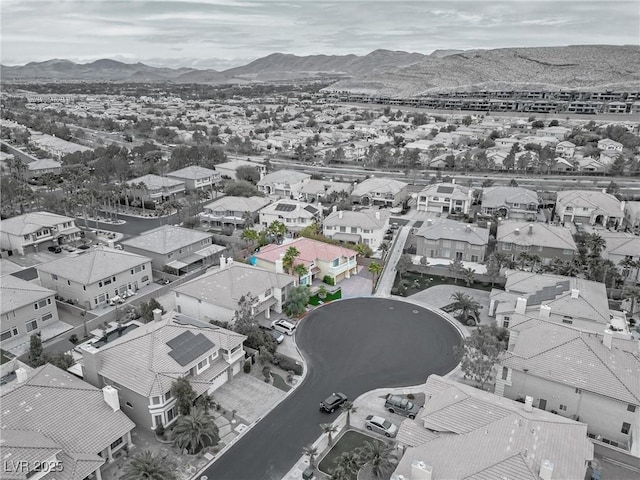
343	267
231	358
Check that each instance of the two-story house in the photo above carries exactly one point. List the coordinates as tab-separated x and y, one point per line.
321	259
195	178
216	295
366	226
623	249
283	183
36	231
42	167
632	216
155	188
142	365
445	198
449	239
515	203
55	421
588	207
545	241
293	214
25	308
585	376
380	191
608	145
566	149
233	212
178	248
92	278
230	169
323	190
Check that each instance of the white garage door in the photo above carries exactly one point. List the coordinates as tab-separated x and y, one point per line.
217	382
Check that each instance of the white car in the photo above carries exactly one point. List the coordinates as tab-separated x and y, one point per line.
283	326
380	425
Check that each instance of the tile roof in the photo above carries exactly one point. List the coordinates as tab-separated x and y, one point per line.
310	251
167	238
365	219
89	267
452	190
32	222
381	185
579	359
315	187
53	407
224	286
43	164
155	182
620	243
493	197
536	234
284	176
193	172
590	199
238	204
16	293
444	228
502	440
142	362
290	209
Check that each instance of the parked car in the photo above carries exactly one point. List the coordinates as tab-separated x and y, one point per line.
401	406
380	425
55	249
332	402
283	326
277	336
83	247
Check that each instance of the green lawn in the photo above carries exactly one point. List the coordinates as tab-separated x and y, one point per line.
314	300
350	441
279	382
417	283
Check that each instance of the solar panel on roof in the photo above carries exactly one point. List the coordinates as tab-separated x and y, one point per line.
445	189
549	293
186	347
534	299
285	207
311	209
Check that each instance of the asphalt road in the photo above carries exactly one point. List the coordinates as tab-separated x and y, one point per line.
351	346
134	225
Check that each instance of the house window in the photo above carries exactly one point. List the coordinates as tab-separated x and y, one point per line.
119	441
474	258
567	321
171	414
625	428
567	252
631	408
335	263
267	293
506	246
563	407
569	209
46	317
145	278
6	335
505	373
505	322
578	390
157	420
167	396
31	325
155	400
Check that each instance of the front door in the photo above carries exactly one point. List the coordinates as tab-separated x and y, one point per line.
542	404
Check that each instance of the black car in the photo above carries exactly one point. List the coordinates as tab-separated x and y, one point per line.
55	249
332	402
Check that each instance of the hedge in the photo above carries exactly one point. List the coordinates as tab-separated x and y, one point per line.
287	363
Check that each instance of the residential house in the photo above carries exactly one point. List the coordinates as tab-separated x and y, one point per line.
545	241
324	190
142	365
588	207
155	188
506	143
445	198
283	183
177	248
573	301
195	177
321	259
588	377
26	308
608	145
56	421
94	277
365	226
216	294
621	248
561	164
41	167
229	169
496	435
588	164
54	146
449	239
33	232
566	149
380	191
515	203
293	214
233	212
632	216
558	132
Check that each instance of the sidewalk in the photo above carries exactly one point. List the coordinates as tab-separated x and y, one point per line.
385	284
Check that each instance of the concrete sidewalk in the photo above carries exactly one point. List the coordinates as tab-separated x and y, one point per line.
440	295
385	284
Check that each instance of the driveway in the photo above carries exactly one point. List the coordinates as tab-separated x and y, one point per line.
350	346
440	296
250	397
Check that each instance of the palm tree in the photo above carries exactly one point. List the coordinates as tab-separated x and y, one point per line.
289	258
633	294
348	464
194	432
278	229
596	244
349	408
147	466
456	267
469	275
248	219
465	304
311	452
374	269
329	429
206	402
250	235
380	457
300	270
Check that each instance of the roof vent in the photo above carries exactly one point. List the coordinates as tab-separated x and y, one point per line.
528	404
21	374
421	471
517	231
530	228
575	293
546	470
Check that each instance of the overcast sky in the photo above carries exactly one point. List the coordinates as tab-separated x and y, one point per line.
224	33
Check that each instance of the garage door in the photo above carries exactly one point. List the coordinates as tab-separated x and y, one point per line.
217	382
236	369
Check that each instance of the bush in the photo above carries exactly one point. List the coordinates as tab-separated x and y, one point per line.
160	430
247	366
266	371
73	339
328	280
287	363
411	396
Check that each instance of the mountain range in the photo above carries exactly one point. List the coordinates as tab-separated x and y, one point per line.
381	71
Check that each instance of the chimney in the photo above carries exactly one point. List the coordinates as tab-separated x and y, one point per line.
607	340
90	365
223	261
531	229
421	471
468	228
340	214
278	263
453	181
111	397
429	222
334	208
545	311
378	215
575	293
528	404
517	231
229	261
546	470
21	374
521	305
157	315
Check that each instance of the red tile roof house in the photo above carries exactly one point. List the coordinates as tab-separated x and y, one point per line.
52	418
321	259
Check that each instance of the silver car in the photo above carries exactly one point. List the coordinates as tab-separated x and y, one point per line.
380	425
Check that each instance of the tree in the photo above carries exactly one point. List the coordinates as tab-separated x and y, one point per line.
632	294
375	269
298	299
250	235
363	249
465	305
404	262
380	457
289	257
456	268
206	402
184	394
248	173
241	188
469	275
35	351
329	429
300	270
311	452
147	466
277	229
195	431
595	243
244	317
349	408
467	120
147	308
348	464
481	351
